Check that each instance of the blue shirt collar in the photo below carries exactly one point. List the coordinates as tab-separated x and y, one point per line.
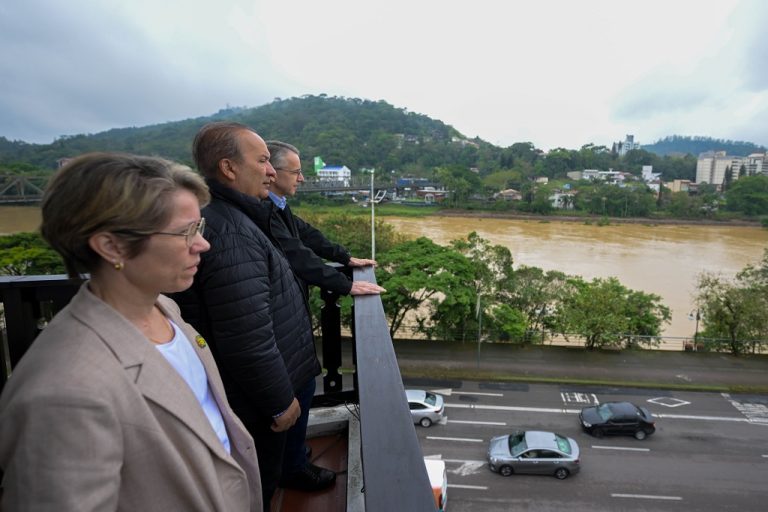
279	201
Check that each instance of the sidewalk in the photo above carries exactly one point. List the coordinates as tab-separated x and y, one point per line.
642	368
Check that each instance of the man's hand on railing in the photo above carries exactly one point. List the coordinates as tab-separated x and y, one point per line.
360	262
366	288
287	418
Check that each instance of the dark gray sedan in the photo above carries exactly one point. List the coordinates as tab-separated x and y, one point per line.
617	419
535	453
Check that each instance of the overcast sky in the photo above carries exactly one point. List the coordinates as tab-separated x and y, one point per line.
556	73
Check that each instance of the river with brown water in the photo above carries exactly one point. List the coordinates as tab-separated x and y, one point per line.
660	259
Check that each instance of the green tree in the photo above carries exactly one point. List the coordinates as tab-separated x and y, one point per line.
536	294
459	182
492	271
420	275
28	254
607	314
749	195
734	309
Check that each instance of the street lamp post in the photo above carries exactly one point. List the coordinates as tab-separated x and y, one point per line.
479	314
695	315
373	219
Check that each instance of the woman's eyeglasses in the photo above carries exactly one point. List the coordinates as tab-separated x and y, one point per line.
193	229
189	233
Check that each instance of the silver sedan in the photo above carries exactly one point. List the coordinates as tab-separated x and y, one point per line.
535	453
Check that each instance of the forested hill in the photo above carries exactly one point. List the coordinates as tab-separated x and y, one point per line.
343	131
681	145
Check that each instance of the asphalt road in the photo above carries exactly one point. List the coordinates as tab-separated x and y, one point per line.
709	453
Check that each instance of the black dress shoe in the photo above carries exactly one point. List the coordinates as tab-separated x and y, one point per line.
309	478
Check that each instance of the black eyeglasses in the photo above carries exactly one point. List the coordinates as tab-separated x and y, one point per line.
189	232
295	173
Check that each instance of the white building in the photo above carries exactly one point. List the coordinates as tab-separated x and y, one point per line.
335	173
649	175
712	165
622	148
756	163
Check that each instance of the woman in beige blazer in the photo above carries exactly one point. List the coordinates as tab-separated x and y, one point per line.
118	404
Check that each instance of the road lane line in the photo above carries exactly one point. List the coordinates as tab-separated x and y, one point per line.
597	447
449	392
576	411
647	497
473	487
511	408
465	439
494	423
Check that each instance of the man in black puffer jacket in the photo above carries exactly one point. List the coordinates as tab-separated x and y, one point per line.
248	305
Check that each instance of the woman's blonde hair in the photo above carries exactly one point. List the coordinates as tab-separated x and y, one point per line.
111	192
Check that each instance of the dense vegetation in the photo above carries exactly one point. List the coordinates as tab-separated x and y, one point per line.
359	134
681	145
373	134
471	288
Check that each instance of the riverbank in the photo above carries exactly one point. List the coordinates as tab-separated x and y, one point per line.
594	219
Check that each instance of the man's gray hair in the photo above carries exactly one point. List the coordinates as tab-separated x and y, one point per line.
278	151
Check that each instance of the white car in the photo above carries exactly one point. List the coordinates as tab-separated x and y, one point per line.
426	408
438	479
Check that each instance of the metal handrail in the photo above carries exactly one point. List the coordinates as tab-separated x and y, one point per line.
393	465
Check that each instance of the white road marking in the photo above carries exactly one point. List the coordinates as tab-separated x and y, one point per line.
511	408
474	487
434	457
597	447
668	401
580	398
765	456
464	461
755	413
494	423
576	411
469	468
647	497
463	439
449	392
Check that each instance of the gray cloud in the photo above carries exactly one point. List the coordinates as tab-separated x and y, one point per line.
82	70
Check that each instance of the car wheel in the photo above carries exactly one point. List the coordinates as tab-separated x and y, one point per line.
640	435
562	473
505	470
598	433
425	422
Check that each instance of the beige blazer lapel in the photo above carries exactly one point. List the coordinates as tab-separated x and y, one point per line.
156	379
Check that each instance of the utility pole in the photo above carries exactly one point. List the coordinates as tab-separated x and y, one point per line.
373	219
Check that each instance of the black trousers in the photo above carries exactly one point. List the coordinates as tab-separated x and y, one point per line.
278	449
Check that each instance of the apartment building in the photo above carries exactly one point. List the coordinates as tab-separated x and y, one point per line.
712	166
622	148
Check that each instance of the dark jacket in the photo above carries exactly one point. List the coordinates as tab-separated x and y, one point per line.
250	308
305	248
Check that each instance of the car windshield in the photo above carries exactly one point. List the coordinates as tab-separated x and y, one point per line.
517	443
563	444
605	412
431	398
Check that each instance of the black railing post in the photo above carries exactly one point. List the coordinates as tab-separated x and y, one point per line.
28	302
330	325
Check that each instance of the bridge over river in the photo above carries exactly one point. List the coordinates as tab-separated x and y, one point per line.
25	189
